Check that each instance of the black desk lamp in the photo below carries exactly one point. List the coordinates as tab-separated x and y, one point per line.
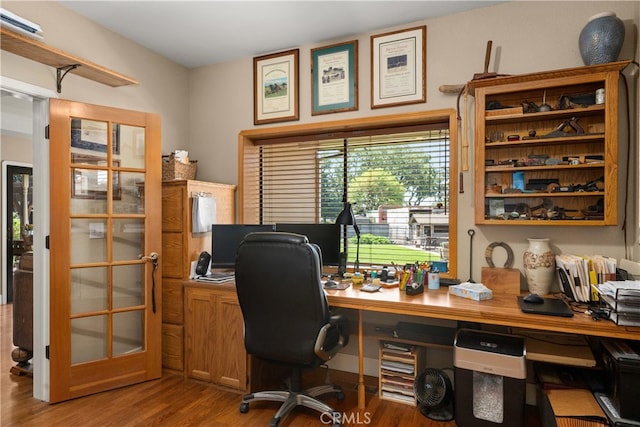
346	217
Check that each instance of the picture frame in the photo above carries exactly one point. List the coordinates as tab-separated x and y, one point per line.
276	87
399	67
91	183
86	135
334	78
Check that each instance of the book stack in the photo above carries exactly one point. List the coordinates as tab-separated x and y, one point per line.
579	275
20	25
398	370
622	298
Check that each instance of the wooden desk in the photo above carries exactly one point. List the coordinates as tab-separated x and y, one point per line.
502	310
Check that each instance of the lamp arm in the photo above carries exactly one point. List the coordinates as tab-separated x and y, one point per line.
357	263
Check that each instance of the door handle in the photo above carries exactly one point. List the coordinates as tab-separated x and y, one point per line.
153	256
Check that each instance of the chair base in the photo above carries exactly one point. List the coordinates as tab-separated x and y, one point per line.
291	399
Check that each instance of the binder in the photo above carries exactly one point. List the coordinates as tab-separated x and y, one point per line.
567	287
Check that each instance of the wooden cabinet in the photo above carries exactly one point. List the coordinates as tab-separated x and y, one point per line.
214	343
547	166
179	248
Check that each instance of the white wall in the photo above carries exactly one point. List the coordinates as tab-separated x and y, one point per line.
528	36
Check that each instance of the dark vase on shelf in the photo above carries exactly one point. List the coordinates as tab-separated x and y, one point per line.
601	39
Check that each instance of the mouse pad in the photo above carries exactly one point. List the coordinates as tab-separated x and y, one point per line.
550	307
338	285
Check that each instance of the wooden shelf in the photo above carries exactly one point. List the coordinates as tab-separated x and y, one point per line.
495	159
40	52
554	74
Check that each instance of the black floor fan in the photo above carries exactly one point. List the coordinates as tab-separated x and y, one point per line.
434	393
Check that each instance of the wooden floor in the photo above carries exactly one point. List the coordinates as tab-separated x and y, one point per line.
174	401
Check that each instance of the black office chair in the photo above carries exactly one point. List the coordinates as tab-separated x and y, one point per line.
286	316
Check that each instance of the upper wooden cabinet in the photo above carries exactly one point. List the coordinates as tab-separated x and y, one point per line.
546	151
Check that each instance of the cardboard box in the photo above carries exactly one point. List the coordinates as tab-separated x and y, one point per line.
572	408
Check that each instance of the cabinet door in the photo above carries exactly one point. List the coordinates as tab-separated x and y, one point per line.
230	354
200	330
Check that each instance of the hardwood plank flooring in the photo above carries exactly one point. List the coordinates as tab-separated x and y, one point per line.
174	401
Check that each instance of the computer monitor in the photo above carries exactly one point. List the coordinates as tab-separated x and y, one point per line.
226	239
326	236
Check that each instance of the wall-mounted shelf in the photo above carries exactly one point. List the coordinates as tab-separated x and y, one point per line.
40	52
529	170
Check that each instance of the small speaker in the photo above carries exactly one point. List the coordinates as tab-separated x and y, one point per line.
203	263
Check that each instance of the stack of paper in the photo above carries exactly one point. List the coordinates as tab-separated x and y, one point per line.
623	299
579	274
397	372
20	25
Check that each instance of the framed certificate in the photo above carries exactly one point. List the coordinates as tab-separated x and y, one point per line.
398	67
334	78
275	94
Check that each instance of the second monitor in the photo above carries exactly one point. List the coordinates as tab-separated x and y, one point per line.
326	236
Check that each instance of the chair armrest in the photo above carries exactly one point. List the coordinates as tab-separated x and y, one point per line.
332	337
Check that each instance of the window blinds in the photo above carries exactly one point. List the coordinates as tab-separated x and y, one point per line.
398	185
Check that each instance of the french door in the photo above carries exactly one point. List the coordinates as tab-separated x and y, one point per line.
104	244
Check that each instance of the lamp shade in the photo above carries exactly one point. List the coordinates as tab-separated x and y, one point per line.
346	217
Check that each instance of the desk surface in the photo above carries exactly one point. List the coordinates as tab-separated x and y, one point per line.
439	304
501	310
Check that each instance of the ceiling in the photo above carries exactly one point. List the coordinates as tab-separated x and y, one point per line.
205	32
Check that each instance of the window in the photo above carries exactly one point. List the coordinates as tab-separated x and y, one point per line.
399	179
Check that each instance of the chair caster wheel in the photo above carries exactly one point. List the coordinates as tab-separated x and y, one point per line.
274	422
244	407
340	396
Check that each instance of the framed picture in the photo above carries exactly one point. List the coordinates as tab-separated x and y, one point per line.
92	183
334	78
91	135
399	67
275	92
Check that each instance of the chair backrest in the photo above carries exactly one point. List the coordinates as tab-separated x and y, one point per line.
282	300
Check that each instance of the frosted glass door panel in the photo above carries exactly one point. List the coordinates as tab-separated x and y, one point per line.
129	198
88	240
88	339
88	191
131	146
128	286
89	138
128	332
88	289
128	239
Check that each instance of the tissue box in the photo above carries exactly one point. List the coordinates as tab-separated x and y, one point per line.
474	291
